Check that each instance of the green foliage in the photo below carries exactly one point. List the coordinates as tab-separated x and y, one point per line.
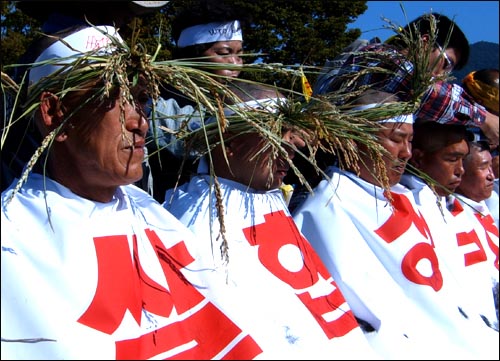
17	30
288	32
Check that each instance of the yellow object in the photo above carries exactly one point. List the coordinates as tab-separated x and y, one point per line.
484	94
287	190
306	87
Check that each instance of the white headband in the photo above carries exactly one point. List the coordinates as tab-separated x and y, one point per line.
74	45
268	104
210	33
403	118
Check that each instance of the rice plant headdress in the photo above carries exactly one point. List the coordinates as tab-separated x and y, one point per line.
81	57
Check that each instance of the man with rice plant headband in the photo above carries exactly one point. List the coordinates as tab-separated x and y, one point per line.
92	266
56	16
377	247
266	273
442	102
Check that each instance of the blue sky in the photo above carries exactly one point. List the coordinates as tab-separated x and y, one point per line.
477	19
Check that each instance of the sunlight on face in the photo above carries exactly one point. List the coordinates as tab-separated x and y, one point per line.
445	166
477	181
396	139
106	152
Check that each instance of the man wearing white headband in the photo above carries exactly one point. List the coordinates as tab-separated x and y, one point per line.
93	267
378	248
57	16
271	281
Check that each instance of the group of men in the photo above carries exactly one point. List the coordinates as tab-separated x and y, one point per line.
394	256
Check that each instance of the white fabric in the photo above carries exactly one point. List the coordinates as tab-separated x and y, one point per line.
105	282
274	283
479	238
267	104
73	46
469	250
151	4
384	261
493	203
403	118
210	33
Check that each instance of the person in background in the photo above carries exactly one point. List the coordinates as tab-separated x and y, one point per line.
443	102
482	85
268	275
57	16
436	171
209	32
92	267
375	244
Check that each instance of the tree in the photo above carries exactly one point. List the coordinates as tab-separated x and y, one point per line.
17	32
294	32
289	32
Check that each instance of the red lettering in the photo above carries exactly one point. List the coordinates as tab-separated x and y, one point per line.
204	331
491	228
113	295
402	218
398	223
279	230
200	336
416	254
473	257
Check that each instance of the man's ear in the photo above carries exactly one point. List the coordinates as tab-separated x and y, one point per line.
52	114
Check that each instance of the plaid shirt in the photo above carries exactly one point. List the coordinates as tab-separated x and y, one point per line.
448	103
443	102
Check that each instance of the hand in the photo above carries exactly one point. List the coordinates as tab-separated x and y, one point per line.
490	128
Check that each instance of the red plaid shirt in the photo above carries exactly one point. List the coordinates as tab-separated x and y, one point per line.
443	102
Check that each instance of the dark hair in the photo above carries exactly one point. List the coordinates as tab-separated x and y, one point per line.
430	136
481	145
448	35
446	30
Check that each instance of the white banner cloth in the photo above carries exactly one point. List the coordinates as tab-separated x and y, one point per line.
467	241
274	283
106	282
384	261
